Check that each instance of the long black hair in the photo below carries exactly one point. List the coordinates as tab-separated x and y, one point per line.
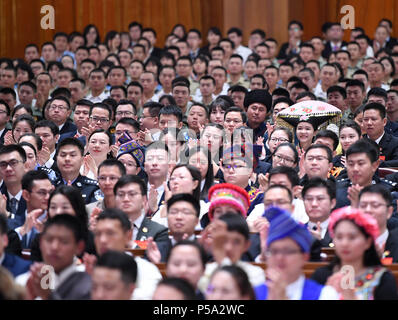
209	179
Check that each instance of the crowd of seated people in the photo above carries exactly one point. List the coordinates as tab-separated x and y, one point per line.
130	171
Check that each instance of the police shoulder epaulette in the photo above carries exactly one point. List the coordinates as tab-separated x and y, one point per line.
90	181
389	182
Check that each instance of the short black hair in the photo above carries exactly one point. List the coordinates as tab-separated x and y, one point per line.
70	142
116	214
101	105
187	198
68	221
48	124
379	189
227	40
171	110
6	149
31	176
280	186
364	146
296	22
2	102
328	134
290	173
119	261
235	222
355	83
154	108
317	182
376	106
378	92
236	109
181	285
260	32
113	163
281	92
128	179
320	146
338	89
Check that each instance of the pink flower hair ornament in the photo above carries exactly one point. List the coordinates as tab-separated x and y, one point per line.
364	220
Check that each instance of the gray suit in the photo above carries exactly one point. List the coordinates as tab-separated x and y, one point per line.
76	287
150	228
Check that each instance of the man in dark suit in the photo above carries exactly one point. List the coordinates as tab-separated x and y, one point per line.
11	262
58	258
374	121
48	132
12	169
131	197
334	35
319	200
5	113
59	111
182	217
150	34
376	200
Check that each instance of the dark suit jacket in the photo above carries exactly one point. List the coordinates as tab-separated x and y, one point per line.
391	128
19	218
156	52
389	149
328	49
14	244
392	245
15	264
76	287
69	126
152	229
2	136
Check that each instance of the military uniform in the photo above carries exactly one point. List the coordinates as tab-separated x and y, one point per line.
342	190
87	187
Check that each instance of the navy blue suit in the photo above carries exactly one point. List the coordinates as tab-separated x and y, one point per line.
19	218
69	126
15	265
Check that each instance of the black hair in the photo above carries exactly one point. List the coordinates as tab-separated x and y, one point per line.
306	94
128	179
169	98
355	83
258	75
70	142
2	102
3	223
27	68
5	90
68	221
318	182
292	147
48	124
321	146
328	134
376	106
284	129
171	110
6	149
378	92
31	176
24	117
236	109
280	186
87	30
196	245
241	279
187	197
154	108
227	40
181	285
290	173
119	261
351	124
282	92
237	223
135	84
22	106
391	61
103	106
378	189
27	144
338	89
195	173
364	146
107	133
116	214
75	198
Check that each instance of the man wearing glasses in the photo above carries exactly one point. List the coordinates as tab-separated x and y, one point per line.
317	163
36	189
12	169
59	111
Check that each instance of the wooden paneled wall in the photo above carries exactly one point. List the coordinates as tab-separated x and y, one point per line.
20	19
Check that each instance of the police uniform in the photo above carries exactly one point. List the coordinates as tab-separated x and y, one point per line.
87	187
343	184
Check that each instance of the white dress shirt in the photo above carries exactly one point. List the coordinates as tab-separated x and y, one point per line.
324	226
294	291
